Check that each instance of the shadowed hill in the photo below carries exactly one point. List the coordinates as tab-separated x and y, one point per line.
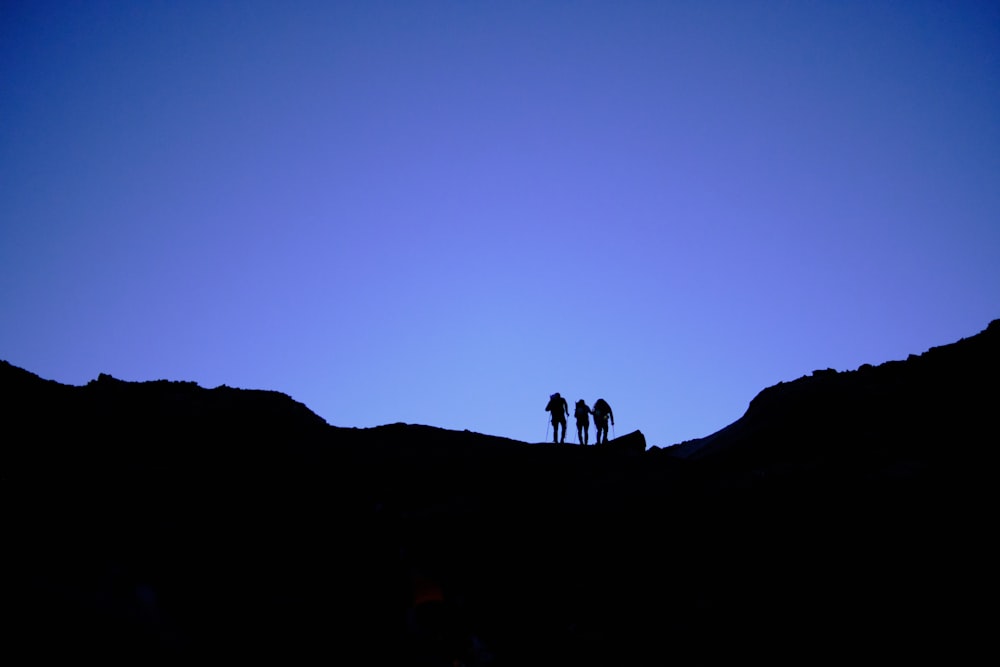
162	521
945	394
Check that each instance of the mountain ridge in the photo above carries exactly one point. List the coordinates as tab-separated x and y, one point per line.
940	372
161	521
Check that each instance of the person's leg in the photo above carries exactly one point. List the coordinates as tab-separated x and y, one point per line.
586	433
555	431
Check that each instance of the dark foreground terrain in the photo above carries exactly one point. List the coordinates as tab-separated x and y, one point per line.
845	516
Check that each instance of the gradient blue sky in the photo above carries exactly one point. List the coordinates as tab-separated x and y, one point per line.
442	212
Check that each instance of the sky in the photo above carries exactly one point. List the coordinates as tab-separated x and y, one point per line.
441	213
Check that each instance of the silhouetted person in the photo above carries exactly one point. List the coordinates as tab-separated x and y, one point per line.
602	412
582	413
559	408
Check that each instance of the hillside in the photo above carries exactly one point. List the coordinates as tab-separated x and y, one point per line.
844	513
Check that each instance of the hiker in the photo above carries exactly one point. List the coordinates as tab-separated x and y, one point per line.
602	412
582	413
560	410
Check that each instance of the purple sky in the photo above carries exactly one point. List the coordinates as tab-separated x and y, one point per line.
442	212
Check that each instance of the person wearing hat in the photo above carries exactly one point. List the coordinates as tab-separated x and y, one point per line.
602	412
560	410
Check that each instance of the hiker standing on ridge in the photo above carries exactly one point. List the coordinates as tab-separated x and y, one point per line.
582	413
602	412
560	410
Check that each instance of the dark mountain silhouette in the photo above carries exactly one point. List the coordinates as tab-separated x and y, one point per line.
845	515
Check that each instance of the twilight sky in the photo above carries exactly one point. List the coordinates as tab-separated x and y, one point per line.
442	212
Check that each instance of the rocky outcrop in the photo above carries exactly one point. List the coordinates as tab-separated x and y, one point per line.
925	401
